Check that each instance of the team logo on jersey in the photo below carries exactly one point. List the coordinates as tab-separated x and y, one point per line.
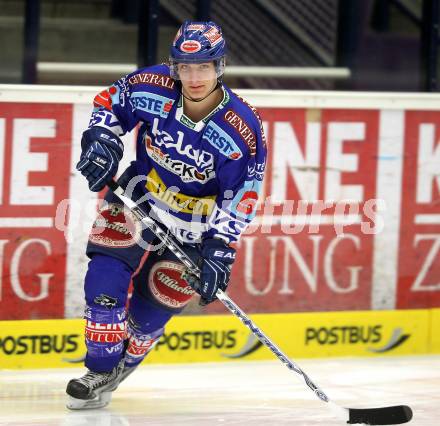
202	171
202	158
219	139
167	286
175	200
186	172
152	103
190	46
242	128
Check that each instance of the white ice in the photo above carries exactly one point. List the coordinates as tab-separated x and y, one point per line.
234	393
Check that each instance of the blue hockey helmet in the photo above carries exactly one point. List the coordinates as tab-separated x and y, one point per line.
198	42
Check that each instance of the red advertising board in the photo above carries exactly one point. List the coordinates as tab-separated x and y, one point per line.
35	142
419	257
320	157
349	218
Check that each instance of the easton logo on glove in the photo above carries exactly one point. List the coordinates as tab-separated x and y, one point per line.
101	153
220	254
113	139
215	268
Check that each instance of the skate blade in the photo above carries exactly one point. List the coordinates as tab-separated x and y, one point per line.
101	401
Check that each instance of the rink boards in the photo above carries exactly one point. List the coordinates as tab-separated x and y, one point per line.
369	160
60	343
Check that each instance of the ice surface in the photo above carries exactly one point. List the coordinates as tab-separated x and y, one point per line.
233	393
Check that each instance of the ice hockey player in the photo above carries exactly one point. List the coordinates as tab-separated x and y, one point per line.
199	166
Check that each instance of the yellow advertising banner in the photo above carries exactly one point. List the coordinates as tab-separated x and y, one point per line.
434	346
40	343
60	343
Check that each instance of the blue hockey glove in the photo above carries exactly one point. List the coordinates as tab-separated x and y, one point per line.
101	153
215	268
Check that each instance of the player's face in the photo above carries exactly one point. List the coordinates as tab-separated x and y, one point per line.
197	79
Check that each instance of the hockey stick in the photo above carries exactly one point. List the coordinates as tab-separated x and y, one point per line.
372	416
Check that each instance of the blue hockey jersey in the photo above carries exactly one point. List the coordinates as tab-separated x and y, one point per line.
203	178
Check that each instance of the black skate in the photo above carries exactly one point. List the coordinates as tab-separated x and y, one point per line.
93	390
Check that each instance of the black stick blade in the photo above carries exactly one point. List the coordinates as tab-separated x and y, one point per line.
380	416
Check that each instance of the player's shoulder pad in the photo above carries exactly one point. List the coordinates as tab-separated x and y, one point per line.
242	121
155	79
